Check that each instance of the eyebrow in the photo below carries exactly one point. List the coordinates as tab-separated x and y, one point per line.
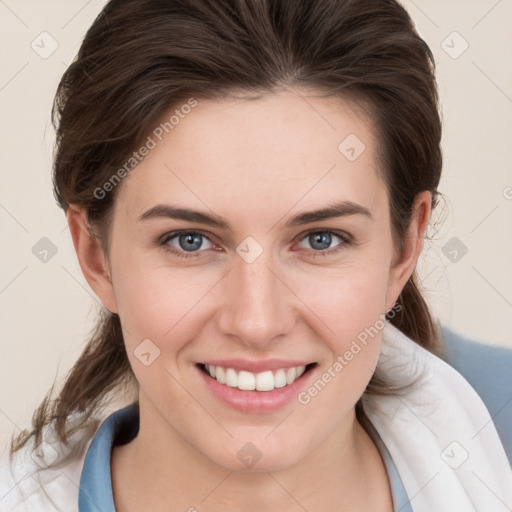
341	209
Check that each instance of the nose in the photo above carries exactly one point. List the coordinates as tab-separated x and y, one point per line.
258	305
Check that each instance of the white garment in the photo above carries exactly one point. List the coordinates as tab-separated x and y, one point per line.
23	489
428	431
440	435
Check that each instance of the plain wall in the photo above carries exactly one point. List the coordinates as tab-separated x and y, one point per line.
47	308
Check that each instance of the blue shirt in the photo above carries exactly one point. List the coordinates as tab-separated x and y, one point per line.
487	368
123	425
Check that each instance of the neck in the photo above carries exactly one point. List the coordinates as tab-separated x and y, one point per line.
159	468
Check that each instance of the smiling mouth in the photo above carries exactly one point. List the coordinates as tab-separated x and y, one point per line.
262	381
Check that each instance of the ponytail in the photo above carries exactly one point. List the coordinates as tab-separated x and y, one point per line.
102	368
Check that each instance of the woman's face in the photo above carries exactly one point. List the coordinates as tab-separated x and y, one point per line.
217	258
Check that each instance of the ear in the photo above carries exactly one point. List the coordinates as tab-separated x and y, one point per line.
404	265
92	259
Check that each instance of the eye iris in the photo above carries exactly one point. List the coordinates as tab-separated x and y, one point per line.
320	238
190	238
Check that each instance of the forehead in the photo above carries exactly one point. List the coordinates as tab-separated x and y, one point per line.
270	152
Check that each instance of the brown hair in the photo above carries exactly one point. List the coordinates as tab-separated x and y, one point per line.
140	58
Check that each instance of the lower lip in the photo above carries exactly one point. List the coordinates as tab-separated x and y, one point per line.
256	401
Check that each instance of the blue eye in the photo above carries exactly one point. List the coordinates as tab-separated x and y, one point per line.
188	244
320	240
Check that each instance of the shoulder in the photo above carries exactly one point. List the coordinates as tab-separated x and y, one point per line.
46	478
488	368
56	477
26	486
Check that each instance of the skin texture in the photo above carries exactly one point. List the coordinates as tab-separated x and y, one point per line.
256	163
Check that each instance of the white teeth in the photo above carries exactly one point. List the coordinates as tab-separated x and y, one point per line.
291	373
264	381
280	379
231	378
220	374
248	381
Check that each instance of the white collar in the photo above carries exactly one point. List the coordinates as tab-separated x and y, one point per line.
439	433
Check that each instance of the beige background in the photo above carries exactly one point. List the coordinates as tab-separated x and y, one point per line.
47	308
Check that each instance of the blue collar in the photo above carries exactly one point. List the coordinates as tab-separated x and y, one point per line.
123	425
95	493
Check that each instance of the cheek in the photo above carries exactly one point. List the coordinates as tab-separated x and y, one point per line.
353	312
165	307
349	310
347	300
155	302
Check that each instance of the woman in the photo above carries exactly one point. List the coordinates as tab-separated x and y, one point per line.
248	184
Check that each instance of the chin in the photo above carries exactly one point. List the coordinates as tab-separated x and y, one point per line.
255	456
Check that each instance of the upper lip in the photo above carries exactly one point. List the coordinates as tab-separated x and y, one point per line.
240	364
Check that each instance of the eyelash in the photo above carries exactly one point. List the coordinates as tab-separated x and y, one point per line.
346	240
